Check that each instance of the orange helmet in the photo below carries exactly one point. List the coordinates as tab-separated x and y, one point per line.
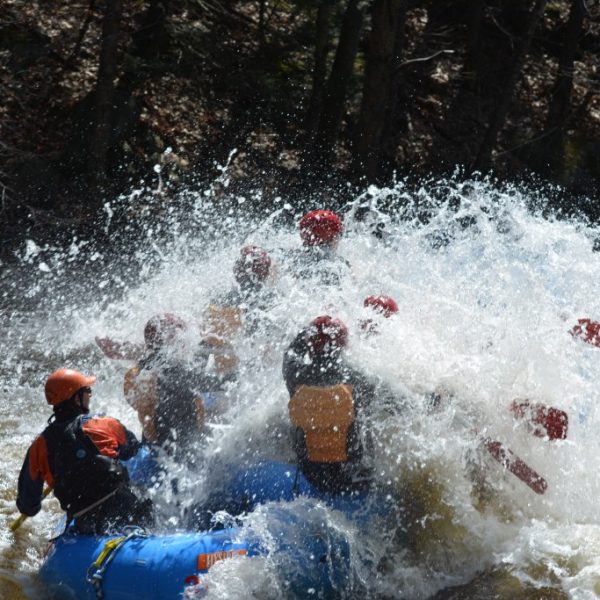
326	331
319	227
253	264
64	383
161	329
385	305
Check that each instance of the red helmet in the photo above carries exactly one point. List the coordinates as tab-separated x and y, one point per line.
64	383
326	331
160	330
385	305
253	264
319	227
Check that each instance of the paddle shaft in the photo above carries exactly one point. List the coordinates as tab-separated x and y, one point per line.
511	462
518	467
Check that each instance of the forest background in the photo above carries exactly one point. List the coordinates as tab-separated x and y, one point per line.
309	100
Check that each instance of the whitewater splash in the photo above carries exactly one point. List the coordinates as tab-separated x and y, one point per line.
487	290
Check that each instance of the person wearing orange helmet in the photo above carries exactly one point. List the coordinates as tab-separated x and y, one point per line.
78	455
318	260
328	407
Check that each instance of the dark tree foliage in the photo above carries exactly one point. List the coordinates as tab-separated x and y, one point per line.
313	94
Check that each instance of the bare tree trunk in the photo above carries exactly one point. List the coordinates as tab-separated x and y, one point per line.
396	121
152	38
471	66
549	151
377	85
464	121
104	92
482	161
262	11
320	69
341	72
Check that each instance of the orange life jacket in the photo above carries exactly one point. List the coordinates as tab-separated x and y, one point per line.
324	414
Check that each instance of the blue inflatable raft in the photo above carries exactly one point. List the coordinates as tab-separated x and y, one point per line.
311	558
135	566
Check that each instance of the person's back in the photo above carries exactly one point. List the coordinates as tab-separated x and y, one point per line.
78	455
321	265
170	393
141	381
328	401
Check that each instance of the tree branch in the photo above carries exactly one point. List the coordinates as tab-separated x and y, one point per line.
423	59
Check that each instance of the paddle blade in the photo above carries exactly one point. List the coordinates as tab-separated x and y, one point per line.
519	468
119	350
588	331
545	421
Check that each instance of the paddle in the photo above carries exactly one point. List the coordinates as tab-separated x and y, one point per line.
119	350
21	518
506	457
544	421
588	331
519	468
511	462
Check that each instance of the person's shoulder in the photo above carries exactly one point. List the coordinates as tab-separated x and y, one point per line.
38	440
100	419
298	345
353	375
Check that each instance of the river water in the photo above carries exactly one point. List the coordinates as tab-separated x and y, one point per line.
488	290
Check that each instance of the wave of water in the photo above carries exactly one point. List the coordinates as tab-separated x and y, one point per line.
488	289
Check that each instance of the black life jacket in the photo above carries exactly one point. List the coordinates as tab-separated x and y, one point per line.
82	476
179	415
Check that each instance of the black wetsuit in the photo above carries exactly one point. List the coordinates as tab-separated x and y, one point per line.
178	385
83	454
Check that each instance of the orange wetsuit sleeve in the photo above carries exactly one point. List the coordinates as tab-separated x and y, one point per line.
34	472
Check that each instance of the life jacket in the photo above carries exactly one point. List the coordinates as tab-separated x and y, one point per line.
184	416
82	476
159	415
325	415
141	393
224	323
